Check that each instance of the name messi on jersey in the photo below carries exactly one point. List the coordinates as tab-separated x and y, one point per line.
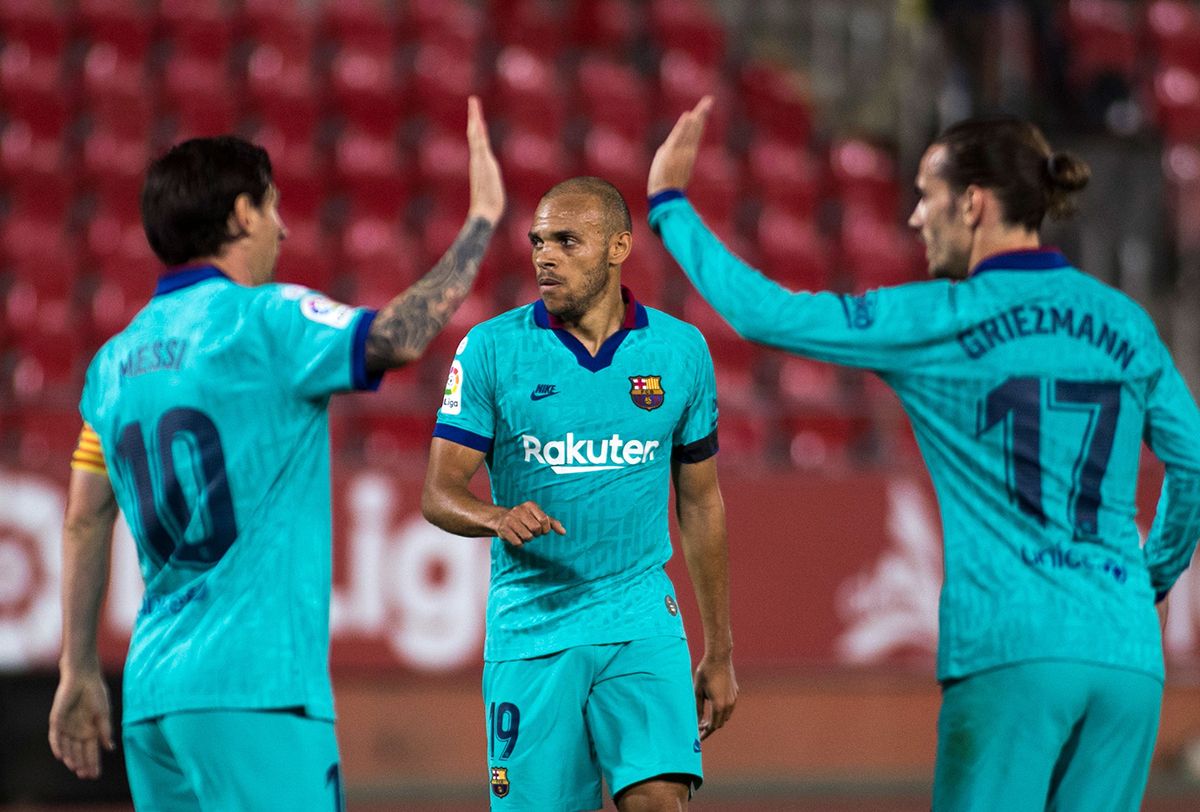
1025	321
570	456
153	356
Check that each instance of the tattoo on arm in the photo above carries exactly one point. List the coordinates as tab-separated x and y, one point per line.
406	324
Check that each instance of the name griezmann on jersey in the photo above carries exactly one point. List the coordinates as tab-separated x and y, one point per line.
1026	321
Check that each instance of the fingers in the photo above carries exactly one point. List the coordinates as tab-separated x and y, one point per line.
487	187
527	521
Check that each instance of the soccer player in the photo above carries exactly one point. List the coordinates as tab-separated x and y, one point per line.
206	423
584	404
1030	387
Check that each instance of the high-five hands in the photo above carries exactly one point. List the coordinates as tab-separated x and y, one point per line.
487	187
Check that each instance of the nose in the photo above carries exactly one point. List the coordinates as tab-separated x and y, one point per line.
914	219
543	257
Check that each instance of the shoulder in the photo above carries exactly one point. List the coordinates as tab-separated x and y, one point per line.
507	324
675	329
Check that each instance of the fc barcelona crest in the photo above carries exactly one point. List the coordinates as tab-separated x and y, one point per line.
499	781
646	391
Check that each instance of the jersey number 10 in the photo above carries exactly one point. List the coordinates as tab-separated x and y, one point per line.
163	512
1021	399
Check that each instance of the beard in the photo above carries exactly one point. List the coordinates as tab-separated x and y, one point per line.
574	306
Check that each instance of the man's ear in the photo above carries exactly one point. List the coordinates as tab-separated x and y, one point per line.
243	216
619	247
974	200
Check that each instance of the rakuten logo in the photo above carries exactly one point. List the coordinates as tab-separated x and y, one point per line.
571	456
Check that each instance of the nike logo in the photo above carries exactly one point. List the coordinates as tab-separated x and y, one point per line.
543	391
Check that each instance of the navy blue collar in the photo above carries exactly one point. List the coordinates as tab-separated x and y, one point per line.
1033	259
183	276
635	319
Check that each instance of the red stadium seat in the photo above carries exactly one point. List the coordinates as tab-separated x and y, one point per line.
537	25
373	172
807	383
367	90
528	92
37	171
442	80
824	440
743	435
784	175
112	80
47	432
614	95
716	183
792	251
688	25
366	25
864	176
533	163
607	25
378	261
40	26
49	365
118	295
1104	39
126	26
1181	168
442	167
621	161
197	28
280	88
728	349
1177	103
298	169
305	258
41	293
1174	30
451	26
877	253
388	439
32	89
113	167
775	101
197	92
682	81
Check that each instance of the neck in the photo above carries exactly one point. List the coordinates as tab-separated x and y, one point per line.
601	320
1000	241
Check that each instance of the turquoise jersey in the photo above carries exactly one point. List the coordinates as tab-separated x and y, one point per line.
591	440
211	410
1030	387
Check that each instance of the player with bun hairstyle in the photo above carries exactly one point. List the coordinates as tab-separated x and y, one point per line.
1030	387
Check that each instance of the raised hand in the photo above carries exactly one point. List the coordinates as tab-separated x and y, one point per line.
487	187
673	162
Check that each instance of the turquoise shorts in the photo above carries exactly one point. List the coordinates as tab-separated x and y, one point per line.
242	759
557	724
1052	734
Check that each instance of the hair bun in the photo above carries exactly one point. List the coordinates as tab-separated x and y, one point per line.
1067	172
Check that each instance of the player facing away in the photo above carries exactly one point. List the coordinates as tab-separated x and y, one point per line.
211	414
1030	387
585	405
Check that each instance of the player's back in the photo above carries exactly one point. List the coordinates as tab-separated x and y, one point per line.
1030	411
210	407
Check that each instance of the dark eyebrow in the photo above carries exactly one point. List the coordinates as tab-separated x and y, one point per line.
557	236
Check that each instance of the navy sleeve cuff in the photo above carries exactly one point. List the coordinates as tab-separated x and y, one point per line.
665	195
698	451
463	437
362	379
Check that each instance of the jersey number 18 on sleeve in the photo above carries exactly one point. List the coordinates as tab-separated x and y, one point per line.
1019	400
163	513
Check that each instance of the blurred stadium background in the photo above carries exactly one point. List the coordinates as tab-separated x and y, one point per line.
823	109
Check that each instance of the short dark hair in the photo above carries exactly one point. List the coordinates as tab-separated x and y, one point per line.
1011	157
190	191
616	210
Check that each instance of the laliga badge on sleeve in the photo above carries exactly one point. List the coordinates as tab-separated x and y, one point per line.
452	397
324	310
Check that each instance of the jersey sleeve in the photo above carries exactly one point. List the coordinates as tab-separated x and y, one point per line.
319	345
1172	431
695	437
886	329
468	412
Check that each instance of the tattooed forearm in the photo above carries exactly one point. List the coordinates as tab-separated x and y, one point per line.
406	325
